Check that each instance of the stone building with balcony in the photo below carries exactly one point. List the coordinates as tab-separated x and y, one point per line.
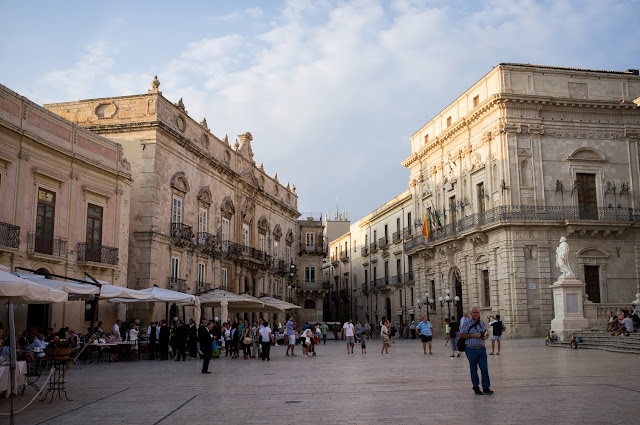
64	207
204	215
370	274
309	289
529	154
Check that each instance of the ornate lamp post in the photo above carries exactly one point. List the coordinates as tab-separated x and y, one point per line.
429	303
447	299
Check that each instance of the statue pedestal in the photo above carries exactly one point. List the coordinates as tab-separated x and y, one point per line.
568	307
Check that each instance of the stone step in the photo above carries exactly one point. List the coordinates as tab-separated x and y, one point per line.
608	348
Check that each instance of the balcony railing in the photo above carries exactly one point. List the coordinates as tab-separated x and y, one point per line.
334	258
326	285
373	247
396	237
203	286
364	287
364	251
97	254
382	282
207	242
313	285
395	280
55	247
513	213
408	277
9	235
406	232
314	250
383	242
181	231
344	256
176	284
279	266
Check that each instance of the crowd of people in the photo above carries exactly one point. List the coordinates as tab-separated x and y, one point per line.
624	325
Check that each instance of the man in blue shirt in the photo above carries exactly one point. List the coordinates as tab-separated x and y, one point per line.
475	332
424	330
291	335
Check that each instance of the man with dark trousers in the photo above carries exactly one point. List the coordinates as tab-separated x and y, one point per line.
205	338
202	328
181	341
152	340
193	340
163	341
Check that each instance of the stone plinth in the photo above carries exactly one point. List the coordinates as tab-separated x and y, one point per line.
568	307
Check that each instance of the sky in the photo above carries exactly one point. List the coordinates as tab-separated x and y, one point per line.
330	90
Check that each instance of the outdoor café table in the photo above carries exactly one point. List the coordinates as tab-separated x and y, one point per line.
125	348
102	347
19	379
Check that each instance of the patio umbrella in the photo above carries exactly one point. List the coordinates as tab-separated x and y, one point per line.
282	305
76	290
236	303
164	296
17	290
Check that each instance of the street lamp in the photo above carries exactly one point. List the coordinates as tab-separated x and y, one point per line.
429	303
447	299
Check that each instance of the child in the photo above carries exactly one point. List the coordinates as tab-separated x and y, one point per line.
363	344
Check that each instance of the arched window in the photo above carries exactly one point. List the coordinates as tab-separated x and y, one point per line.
309	304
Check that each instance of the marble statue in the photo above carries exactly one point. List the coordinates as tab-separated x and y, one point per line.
562	258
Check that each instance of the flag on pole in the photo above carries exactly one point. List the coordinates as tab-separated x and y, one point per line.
425	226
436	220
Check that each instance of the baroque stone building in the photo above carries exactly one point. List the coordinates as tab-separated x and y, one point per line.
204	215
369	273
529	154
64	207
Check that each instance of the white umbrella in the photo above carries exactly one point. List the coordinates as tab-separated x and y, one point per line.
113	291
74	289
162	295
236	303
282	305
16	290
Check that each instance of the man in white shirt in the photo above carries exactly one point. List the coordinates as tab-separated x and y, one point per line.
349	332
38	342
116	330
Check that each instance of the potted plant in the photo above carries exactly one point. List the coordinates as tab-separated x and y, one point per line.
58	350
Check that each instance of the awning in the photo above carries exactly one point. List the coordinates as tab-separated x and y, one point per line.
236	303
75	290
281	305
18	290
163	295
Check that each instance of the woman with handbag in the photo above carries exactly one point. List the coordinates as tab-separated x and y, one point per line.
247	340
385	337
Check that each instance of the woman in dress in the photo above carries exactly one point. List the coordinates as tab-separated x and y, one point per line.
384	332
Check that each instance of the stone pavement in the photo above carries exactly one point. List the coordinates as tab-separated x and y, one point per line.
532	384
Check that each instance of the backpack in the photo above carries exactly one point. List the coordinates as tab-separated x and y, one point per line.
462	342
504	328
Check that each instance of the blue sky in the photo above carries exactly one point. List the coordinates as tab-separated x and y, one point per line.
330	90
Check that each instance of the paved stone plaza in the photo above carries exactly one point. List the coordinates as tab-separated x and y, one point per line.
532	384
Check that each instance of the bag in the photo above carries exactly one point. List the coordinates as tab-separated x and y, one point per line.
247	340
385	337
307	341
504	328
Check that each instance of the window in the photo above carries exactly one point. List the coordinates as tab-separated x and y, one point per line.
176	210
452	209
310	241
481	197
375	237
288	254
45	219
310	274
587	199
592	282
201	276
223	279
224	246
487	289
375	273
398	224
366	276
386	270
309	305
261	242
386	233
448	122
476	101
412	297
245	234
409	221
275	249
175	268
366	241
398	270
355	245
346	249
93	250
426	139
202	220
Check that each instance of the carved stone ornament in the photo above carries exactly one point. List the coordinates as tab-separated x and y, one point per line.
227	206
289	237
476	160
585	134
263	224
180	105
246	212
181	123
179	182
261	167
204	125
275	177
105	110
155	83
277	232
123	161
204	195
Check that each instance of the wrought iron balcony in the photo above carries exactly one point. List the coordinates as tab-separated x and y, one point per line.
364	251
334	259
382	282
9	235
279	266
182	233
383	242
314	285
314	250
326	285
88	252
396	237
203	286
54	247
406	232
364	287
344	257
207	243
176	284
408	277
395	280
373	247
520	213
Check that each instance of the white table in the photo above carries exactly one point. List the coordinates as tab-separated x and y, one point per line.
19	378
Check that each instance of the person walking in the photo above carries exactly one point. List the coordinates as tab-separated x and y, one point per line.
367	330
325	330
206	346
454	332
193	340
180	334
335	332
349	332
267	339
413	329
497	326
291	336
475	332
426	335
384	332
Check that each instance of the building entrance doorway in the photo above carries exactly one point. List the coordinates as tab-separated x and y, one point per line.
457	292
388	309
592	282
